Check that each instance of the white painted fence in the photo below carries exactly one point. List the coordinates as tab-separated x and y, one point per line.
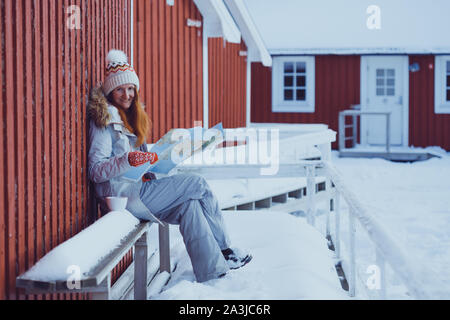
420	282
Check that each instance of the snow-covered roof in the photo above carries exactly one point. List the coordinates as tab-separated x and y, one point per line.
352	26
218	21
257	51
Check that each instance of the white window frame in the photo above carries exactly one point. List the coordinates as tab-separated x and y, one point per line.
278	102
440	73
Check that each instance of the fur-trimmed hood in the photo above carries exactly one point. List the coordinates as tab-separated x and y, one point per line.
99	110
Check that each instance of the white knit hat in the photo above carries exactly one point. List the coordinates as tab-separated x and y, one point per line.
118	72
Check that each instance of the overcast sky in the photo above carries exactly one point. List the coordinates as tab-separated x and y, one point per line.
423	24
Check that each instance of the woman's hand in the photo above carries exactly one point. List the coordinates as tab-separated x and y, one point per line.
138	158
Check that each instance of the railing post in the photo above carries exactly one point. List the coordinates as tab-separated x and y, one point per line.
140	268
337	209
388	132
341	131
354	131
352	275
310	192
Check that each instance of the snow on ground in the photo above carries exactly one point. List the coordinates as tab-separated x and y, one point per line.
291	260
412	202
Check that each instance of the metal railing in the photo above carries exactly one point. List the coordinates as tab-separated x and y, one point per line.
420	282
355	114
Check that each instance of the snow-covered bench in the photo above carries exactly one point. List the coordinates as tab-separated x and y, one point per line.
84	262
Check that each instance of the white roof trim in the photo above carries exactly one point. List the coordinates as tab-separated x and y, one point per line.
357	51
256	49
218	21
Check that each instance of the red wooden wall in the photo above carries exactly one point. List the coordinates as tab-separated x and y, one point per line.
168	60
47	71
337	87
425	127
46	75
227	71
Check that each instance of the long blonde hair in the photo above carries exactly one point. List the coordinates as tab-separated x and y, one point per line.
135	119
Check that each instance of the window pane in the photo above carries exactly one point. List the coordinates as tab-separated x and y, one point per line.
380	91
301	94
288	94
448	81
390	72
288	67
288	81
380	82
301	67
301	81
390	91
380	72
448	66
390	82
448	95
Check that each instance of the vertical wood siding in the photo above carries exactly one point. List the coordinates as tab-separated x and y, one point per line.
425	127
168	60
337	86
47	71
227	83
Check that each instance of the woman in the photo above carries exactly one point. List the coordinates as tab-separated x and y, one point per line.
118	130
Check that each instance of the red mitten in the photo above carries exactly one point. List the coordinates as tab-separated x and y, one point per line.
148	176
137	158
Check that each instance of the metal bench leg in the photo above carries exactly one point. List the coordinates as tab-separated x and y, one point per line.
140	268
164	248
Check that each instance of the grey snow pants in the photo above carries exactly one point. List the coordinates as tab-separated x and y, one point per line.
187	200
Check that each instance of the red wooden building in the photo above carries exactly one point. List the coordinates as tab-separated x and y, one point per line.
326	57
192	58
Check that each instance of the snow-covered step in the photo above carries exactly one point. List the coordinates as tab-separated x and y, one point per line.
291	260
248	194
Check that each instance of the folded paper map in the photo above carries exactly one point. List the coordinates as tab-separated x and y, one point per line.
176	146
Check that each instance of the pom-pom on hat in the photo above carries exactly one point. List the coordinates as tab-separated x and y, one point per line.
118	72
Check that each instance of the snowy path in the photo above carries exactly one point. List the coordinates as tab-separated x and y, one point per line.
291	260
412	201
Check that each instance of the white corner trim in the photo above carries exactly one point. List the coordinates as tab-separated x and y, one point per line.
218	20
249	93
257	50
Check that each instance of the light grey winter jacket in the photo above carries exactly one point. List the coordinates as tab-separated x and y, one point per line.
110	143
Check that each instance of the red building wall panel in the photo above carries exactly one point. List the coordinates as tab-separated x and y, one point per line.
227	83
425	127
337	86
168	60
48	72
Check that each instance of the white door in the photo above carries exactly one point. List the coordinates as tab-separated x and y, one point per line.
384	81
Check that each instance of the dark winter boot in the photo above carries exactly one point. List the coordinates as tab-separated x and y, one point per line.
235	258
